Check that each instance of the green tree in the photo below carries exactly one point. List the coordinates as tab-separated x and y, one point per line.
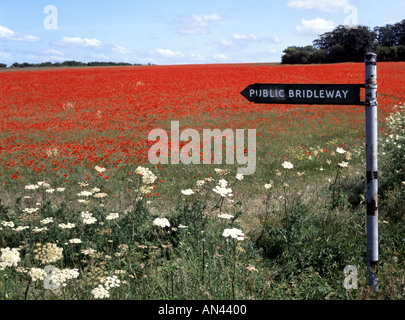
353	42
301	55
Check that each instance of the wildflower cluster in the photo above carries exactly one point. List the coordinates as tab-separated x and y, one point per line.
9	257
47	253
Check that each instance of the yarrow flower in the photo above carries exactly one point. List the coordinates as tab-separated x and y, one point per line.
239	176
340	150
9	258
31	187
7	224
287	165
84	193
112	216
37	274
30	210
75	240
147	176
66	225
99	169
234	233
187	192
100	292
343	164
87	217
47	220
225	216
56	278
222	189
161	222
100	195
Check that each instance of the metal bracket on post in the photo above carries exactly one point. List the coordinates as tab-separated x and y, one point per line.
371	169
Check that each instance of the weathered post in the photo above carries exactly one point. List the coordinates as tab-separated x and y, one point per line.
371	168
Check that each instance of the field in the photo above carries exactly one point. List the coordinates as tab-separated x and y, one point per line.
85	215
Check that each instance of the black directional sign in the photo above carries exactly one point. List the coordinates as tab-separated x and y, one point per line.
336	94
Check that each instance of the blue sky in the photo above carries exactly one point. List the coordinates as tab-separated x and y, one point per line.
175	31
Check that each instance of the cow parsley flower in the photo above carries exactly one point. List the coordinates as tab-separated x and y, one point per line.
343	164
99	169
225	216
37	274
87	217
9	258
234	233
161	222
222	189
84	193
287	165
100	292
187	192
112	216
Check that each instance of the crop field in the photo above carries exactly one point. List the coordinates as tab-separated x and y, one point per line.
84	214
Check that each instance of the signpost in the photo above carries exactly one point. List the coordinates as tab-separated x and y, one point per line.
336	94
340	94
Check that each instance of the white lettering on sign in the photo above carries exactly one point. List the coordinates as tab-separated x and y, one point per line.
330	94
267	93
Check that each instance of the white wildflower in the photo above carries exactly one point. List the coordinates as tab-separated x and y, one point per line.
222	189
9	258
75	240
7	224
187	192
343	164
287	165
99	169
100	195
66	225
84	193
268	185
100	292
112	216
234	233
225	216
47	220
30	210
239	176
161	222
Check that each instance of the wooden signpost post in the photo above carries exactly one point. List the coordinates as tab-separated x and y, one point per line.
340	94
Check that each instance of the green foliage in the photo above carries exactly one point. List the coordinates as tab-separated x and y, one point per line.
345	44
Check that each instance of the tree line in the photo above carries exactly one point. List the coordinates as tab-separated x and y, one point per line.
349	44
72	63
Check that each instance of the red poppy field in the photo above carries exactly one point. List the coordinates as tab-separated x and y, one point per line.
56	120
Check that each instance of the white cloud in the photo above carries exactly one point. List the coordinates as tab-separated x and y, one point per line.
316	26
52	55
244	37
221	57
79	42
5	55
238	40
169	53
54	52
197	23
120	50
198	57
100	56
320	5
8	34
